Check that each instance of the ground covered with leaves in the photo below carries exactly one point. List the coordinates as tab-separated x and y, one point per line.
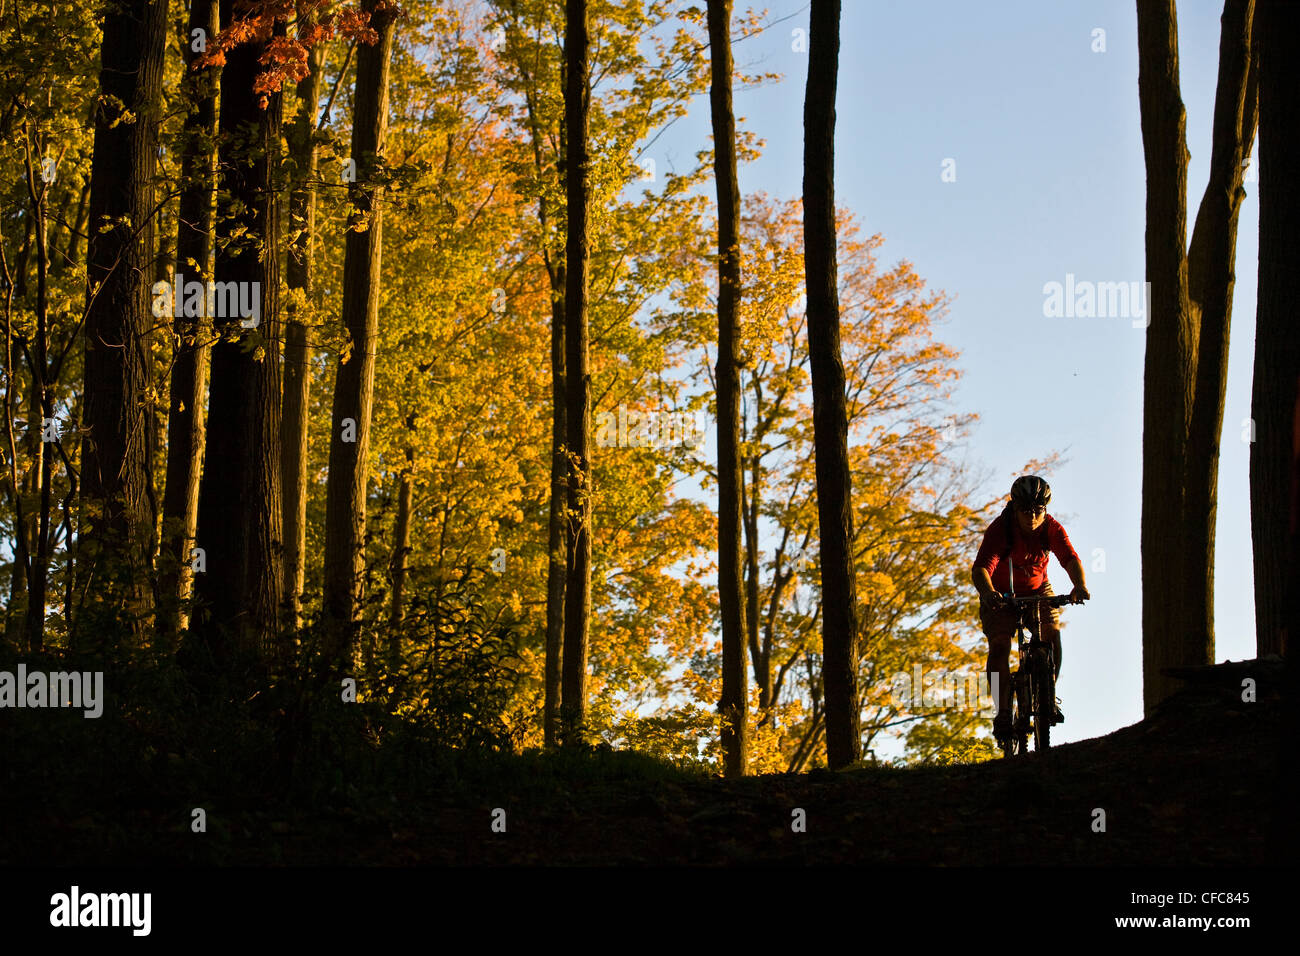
1199	782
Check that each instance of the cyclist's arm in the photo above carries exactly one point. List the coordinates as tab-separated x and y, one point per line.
983	583
1069	558
1075	570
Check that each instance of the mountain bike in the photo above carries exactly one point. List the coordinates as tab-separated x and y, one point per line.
1033	683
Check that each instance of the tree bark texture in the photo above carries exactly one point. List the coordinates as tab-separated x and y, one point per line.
731	598
116	533
239	592
297	349
577	596
189	373
1275	397
830	416
345	506
1187	337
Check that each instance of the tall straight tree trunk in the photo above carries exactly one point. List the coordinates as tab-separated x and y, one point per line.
1167	397
24	486
830	415
43	408
1275	396
117	511
189	374
735	697
401	548
553	255
760	654
577	592
556	541
1186	347
238	594
1211	277
297	351
16	608
345	506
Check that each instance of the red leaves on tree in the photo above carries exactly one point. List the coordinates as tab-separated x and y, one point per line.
285	57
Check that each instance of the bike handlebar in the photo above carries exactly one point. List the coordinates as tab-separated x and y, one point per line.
1051	600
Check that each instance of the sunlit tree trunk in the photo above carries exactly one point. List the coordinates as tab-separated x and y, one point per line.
238	595
1187	339
577	596
345	506
401	549
189	373
734	704
556	542
116	532
830	416
297	350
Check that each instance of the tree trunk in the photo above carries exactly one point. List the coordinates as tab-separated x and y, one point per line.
401	548
1211	277
577	594
117	509
1275	397
1187	339
297	351
238	595
189	373
556	545
830	416
735	697
16	609
748	496
1168	374
345	508
556	541
38	570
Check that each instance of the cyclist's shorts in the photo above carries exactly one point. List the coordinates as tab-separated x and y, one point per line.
1001	622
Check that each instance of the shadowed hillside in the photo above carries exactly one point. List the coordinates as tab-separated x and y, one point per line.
1197	783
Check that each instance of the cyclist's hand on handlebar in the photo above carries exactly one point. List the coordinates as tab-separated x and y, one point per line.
1079	594
995	600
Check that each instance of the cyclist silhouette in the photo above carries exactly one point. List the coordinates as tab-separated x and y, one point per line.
1023	534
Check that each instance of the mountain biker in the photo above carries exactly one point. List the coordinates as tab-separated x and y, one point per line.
1024	532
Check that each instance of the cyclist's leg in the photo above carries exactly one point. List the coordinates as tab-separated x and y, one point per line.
1052	635
1052	629
999	626
999	670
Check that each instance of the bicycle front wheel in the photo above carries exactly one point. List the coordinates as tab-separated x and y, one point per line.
1023	710
1008	741
1044	694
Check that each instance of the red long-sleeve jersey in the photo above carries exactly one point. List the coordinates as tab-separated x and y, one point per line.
1028	557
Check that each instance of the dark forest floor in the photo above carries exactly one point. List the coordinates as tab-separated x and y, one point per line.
1198	783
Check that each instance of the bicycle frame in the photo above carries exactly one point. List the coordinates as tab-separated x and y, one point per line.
1033	683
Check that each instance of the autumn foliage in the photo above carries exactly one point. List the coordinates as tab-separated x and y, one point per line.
452	628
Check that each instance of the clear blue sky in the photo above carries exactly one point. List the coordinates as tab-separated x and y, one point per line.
1050	181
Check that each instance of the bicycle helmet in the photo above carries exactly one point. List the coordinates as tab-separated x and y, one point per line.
1030	491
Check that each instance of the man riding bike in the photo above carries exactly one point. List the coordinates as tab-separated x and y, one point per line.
1013	558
